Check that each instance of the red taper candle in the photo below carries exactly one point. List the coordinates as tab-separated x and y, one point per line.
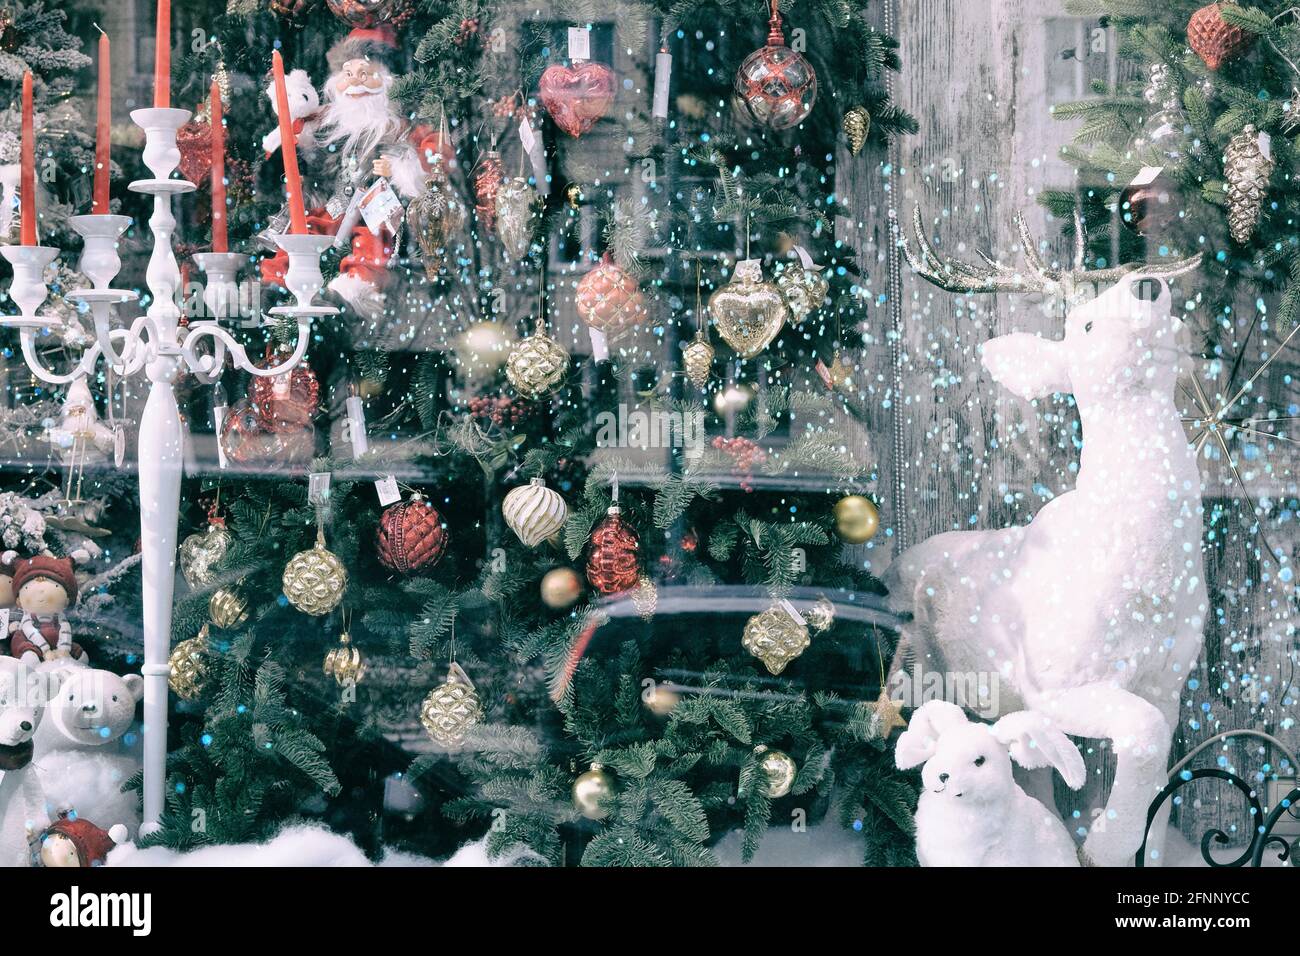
289	150
103	120
220	237
162	57
27	178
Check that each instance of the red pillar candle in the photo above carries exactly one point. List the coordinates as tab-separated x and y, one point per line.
27	180
289	150
220	237
103	119
162	57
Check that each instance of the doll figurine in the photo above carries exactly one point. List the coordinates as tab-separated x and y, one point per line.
44	586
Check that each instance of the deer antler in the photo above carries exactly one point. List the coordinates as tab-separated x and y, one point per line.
954	275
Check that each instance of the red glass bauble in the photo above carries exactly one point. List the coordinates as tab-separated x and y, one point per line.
289	399
487	180
775	86
613	559
1151	208
577	96
412	536
194	140
295	11
370	13
1213	39
248	439
608	299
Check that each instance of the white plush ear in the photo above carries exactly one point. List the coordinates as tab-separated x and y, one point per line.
1028	365
1034	741
916	744
135	685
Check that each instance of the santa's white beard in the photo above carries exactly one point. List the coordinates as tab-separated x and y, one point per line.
360	123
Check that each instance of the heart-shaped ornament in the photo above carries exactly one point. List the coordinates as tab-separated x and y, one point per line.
577	96
747	311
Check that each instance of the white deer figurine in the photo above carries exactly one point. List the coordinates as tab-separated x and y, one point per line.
1093	612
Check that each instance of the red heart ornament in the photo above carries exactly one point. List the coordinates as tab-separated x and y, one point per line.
577	96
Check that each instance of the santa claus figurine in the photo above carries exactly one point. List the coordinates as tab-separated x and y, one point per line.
44	586
362	161
71	841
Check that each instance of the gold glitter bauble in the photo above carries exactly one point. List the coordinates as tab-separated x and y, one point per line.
857	124
804	289
187	667
560	588
536	365
748	311
201	550
227	608
856	519
645	598
778	769
314	580
344	663
697	359
534	512
593	792
775	638
451	708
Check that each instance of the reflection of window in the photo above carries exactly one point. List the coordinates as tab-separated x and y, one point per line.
146	25
1079	52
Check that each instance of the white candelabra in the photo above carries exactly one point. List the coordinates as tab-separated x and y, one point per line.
156	343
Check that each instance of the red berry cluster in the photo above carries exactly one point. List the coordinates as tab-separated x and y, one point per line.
500	411
745	454
468	29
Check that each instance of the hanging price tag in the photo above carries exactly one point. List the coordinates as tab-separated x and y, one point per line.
1146	175
790	609
1266	145
4	622
599	345
804	258
388	491
218	419
318	488
579	43
536	155
119	445
357	425
526	135
663	77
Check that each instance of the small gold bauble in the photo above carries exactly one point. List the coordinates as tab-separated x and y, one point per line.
227	608
187	667
451	708
536	365
775	638
857	124
645	598
201	551
314	580
856	519
344	663
573	195
560	588
593	792
697	359
778	769
660	700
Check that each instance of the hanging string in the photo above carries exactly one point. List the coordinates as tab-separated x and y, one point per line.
699	312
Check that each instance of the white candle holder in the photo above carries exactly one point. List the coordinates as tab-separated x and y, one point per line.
161	154
28	289
303	278
100	264
221	290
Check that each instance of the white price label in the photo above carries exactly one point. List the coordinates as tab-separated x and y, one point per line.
4	622
790	609
579	43
805	259
218	419
599	345
381	209
119	445
1146	175
663	77
357	425
388	491
526	135
318	487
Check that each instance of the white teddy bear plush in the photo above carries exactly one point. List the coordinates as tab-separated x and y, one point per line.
22	803
80	758
304	105
972	812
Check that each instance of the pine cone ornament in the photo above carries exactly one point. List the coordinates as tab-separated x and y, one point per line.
411	537
645	598
451	708
516	216
534	512
1247	167
609	300
435	216
1215	40
857	124
697	359
536	365
487	183
187	667
314	580
614	554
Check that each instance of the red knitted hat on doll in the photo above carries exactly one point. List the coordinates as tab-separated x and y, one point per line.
92	843
52	569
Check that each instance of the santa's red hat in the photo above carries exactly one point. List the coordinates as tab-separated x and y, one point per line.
378	44
93	843
51	569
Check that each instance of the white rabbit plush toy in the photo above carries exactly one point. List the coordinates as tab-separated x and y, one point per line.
972	813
